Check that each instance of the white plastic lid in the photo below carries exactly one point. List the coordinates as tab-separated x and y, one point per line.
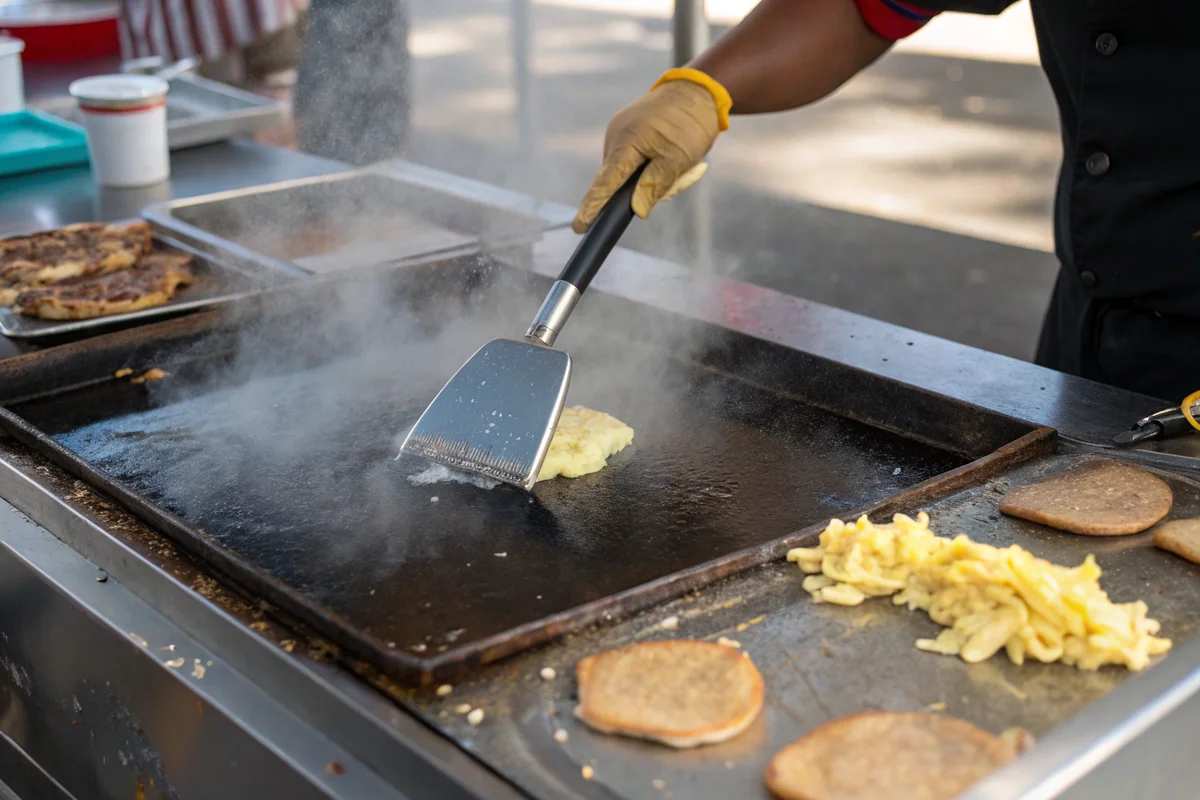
118	91
10	46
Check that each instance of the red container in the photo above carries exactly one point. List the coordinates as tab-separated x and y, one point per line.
63	31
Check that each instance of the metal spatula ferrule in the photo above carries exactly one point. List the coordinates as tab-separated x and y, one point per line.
497	416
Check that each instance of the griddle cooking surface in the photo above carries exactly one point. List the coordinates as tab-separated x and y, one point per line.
292	467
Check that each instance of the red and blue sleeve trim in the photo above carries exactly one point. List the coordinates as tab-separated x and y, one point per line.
893	19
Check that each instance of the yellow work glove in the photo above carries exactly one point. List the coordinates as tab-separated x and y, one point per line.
672	127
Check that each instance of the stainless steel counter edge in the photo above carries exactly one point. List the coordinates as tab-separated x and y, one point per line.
290	703
295	756
557	214
1105	752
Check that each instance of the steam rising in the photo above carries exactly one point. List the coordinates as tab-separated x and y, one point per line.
301	405
440	473
353	84
313	395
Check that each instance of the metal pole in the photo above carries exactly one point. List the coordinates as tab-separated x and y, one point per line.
691	30
521	45
692	36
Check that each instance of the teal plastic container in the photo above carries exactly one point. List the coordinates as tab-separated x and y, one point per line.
31	141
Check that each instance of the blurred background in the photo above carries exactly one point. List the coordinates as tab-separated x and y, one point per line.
920	193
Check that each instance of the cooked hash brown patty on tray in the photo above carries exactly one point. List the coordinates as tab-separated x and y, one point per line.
75	252
153	282
88	270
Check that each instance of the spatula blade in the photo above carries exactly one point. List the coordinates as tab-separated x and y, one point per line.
498	413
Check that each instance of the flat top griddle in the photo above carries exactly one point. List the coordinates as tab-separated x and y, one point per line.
271	447
819	662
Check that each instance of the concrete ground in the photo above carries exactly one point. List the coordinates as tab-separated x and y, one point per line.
920	193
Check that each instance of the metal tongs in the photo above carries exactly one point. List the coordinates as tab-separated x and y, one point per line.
1165	424
156	65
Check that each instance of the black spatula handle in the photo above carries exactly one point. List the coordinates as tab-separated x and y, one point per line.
602	237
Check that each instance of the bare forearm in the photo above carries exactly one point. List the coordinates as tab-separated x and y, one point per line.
788	53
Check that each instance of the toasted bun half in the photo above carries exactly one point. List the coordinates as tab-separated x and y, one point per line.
1103	498
886	756
683	693
1181	537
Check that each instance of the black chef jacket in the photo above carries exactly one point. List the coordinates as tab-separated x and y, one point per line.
1126	74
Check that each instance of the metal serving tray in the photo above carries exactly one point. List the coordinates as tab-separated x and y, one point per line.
269	451
200	111
821	662
359	218
216	282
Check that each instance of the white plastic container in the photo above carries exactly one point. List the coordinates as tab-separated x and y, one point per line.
12	79
126	121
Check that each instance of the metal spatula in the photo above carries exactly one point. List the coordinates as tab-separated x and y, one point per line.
498	413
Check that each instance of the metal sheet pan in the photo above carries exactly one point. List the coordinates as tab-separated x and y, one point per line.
215	283
334	223
819	662
199	111
271	459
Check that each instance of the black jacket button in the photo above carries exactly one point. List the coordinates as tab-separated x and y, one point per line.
1089	278
1097	163
1106	44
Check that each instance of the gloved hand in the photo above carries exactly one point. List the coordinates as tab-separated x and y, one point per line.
672	127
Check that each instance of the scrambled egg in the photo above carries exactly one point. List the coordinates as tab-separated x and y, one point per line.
583	442
988	598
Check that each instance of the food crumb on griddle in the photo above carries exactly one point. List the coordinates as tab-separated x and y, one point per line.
475	717
670	624
334	768
561	736
123	373
735	644
548	673
197	669
137	639
1019	739
174	663
444	690
155	374
462	708
587	772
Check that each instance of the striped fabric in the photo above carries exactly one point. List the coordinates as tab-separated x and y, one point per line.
177	29
893	19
